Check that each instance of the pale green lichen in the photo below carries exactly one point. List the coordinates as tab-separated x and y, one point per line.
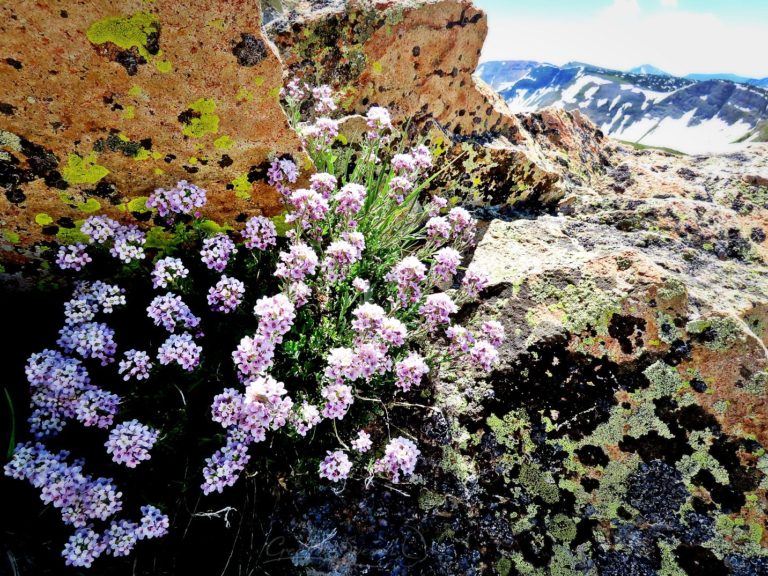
583	305
723	332
538	482
458	464
429	500
665	380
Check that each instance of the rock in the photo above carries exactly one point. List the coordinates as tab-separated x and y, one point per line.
418	60
102	103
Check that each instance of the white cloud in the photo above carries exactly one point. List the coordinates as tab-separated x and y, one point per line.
669	3
623	35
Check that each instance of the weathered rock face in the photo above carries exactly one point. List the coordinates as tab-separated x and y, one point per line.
417	59
104	102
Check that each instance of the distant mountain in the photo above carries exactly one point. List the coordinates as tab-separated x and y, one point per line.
648	69
761	82
668	111
502	74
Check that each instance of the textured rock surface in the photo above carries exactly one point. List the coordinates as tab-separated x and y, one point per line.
417	59
102	102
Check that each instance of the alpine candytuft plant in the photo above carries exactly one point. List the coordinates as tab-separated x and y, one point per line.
342	312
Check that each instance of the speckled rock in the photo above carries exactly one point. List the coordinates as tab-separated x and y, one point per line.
102	102
417	59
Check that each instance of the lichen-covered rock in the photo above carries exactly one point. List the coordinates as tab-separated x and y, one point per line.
417	59
102	102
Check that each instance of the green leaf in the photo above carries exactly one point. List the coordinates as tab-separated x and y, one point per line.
12	438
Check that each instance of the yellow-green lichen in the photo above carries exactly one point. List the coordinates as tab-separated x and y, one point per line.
43	219
72	235
207	122
223	142
81	170
163	66
242	186
11	237
125	31
89	206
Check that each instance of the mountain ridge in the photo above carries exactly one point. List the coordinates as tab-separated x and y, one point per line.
681	113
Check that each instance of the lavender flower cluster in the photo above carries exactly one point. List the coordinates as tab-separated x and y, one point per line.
394	329
83	500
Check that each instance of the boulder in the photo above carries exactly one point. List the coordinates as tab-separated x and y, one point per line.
103	102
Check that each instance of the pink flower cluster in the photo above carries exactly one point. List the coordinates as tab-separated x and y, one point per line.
308	207
408	274
170	312
336	466
323	183
99	228
410	371
350	199
437	310
89	340
136	364
129	443
216	252
181	349
399	460
73	257
259	233
167	271
226	295
184	198
299	262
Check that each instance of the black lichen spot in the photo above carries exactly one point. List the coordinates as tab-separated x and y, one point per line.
64	14
66	222
146	143
104	189
464	20
153	42
130	60
169	158
187	116
142	216
657	491
699	385
592	455
242	217
115	144
621	564
15	63
51	230
622	328
250	50
757	235
699	561
11	177
225	161
416	51
7	109
191	169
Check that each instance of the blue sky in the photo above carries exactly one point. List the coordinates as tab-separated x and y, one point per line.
680	36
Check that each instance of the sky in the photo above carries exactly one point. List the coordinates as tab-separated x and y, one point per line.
678	36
